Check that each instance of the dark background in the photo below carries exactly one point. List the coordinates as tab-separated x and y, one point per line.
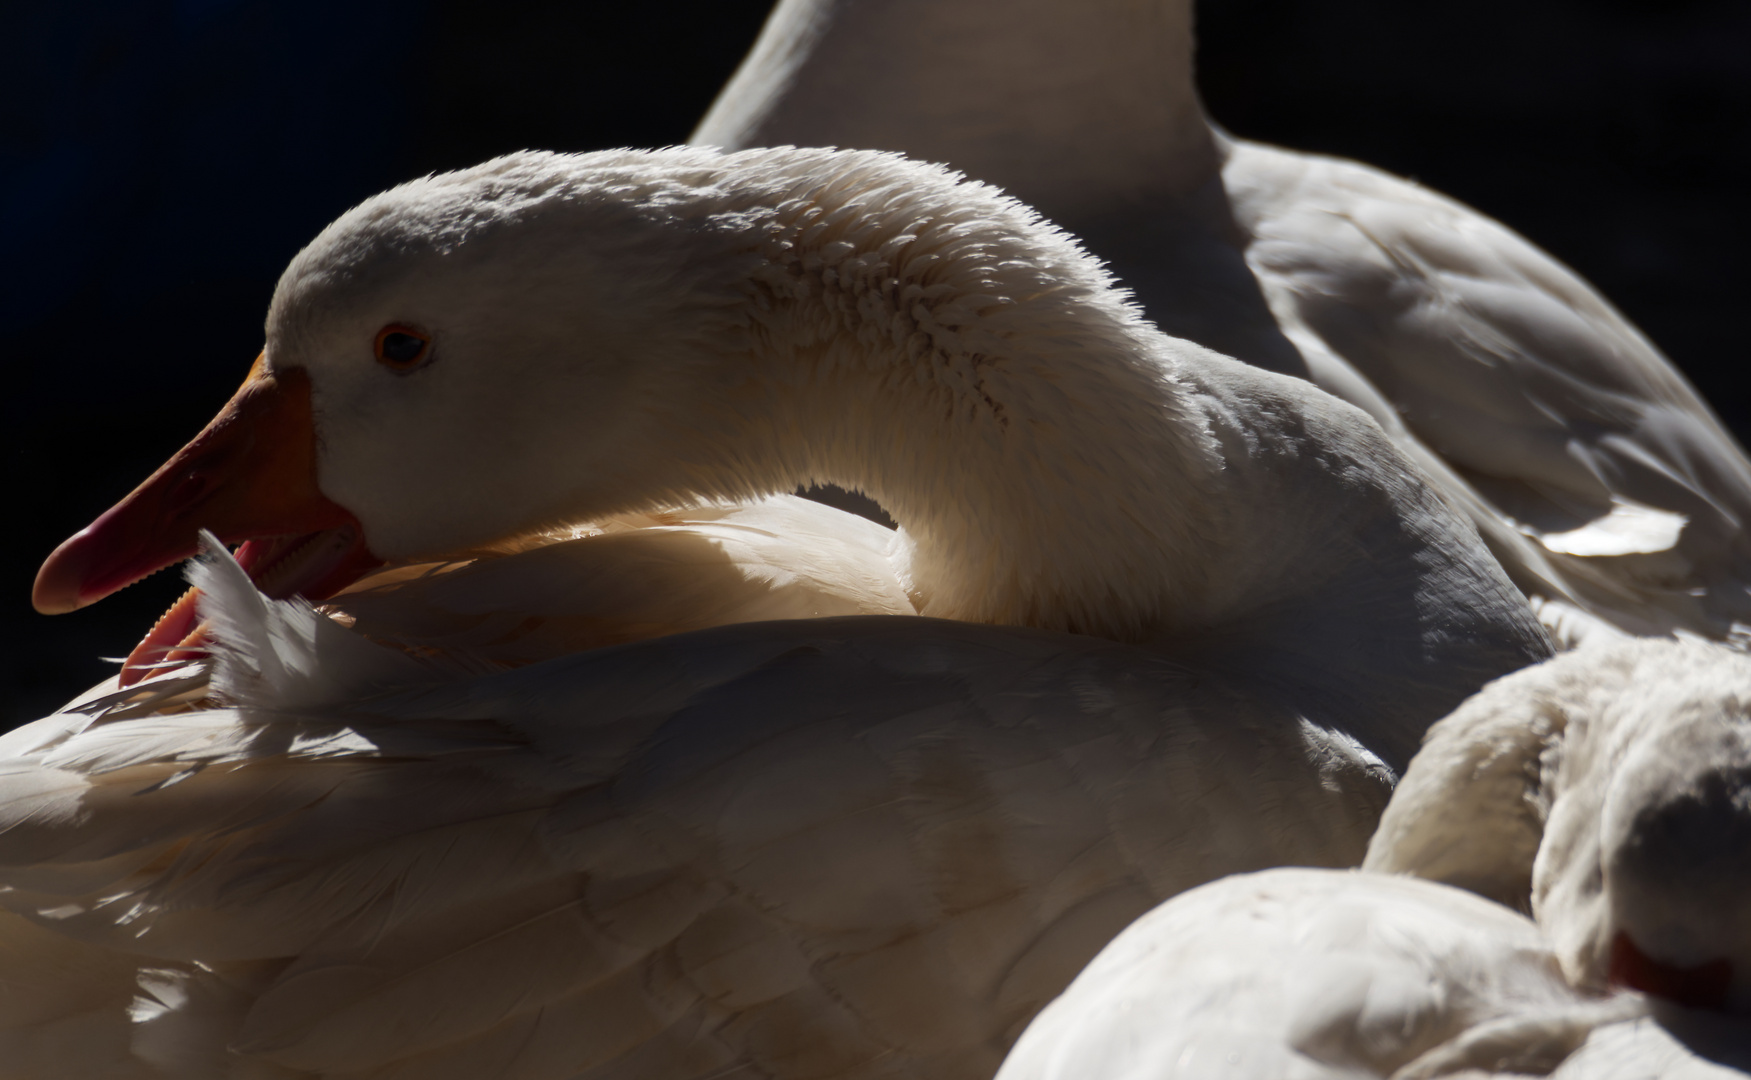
161	162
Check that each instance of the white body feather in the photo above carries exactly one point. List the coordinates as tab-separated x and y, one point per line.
1316	974
636	577
1713	1048
866	847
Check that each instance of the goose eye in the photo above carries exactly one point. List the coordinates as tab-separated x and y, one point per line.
402	348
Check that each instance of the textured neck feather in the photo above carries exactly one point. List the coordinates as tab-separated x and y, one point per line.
1085	101
1048	461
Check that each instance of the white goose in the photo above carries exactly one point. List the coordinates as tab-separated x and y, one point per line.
722	847
1323	973
1592	469
1607	790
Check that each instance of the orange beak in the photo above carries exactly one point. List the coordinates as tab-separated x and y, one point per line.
250	475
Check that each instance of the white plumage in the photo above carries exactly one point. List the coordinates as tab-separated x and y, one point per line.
1608	791
637	576
1713	1048
1595	473
823	848
1306	973
864	847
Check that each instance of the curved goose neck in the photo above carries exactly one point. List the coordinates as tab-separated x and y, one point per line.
978	376
1059	462
1084	100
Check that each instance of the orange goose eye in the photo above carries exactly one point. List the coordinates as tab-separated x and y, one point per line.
402	348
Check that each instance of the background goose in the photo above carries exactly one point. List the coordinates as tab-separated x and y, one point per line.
1608	792
1593	470
829	848
547	338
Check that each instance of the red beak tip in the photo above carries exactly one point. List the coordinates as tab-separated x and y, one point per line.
51	605
56	597
57	589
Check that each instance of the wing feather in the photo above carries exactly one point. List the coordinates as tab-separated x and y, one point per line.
840	847
1556	415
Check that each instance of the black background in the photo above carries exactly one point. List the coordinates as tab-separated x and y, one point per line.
161	162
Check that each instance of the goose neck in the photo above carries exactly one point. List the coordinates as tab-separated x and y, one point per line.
1047	462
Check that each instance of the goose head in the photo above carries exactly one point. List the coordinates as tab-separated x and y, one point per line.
1675	835
394	408
1609	791
1646	857
499	350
